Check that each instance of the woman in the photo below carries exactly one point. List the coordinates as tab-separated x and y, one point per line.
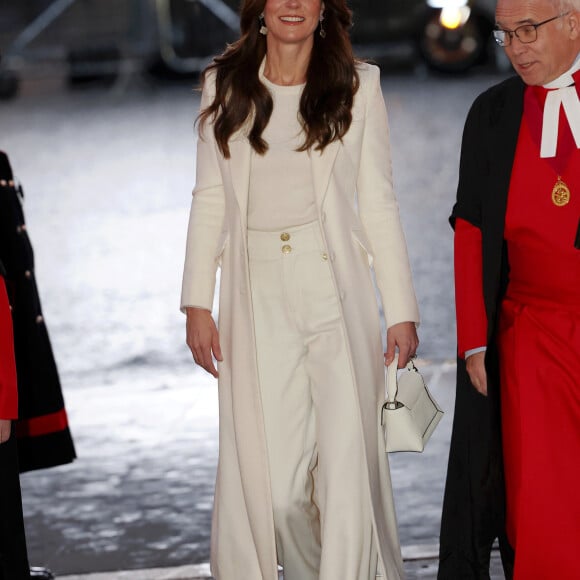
294	199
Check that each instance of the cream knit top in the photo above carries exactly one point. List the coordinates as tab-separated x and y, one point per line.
281	187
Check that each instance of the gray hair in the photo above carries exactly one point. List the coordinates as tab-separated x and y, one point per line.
566	5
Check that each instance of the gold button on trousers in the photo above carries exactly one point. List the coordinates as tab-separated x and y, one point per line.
320	495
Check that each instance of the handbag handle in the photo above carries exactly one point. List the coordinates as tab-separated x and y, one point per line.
391	378
391	402
392	386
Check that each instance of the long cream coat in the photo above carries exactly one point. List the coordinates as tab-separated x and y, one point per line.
359	217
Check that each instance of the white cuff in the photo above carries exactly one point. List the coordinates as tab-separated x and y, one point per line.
471	351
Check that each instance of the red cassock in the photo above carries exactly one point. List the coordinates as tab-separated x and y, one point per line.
539	347
539	341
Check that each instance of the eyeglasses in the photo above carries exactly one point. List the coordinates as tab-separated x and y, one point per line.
526	33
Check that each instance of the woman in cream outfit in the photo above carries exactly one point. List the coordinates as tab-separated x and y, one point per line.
294	200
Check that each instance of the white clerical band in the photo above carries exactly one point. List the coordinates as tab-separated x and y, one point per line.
561	91
568	98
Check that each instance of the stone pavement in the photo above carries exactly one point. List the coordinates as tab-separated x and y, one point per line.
418	566
139	499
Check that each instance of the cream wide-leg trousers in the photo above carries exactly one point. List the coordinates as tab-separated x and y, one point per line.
322	512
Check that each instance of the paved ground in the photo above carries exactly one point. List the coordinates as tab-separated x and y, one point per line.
420	564
107	177
141	491
417	567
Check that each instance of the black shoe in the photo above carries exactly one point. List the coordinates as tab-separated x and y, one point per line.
40	573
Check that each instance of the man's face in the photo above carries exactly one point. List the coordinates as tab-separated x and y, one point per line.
555	48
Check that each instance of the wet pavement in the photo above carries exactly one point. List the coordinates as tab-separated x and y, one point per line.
140	493
417	567
107	177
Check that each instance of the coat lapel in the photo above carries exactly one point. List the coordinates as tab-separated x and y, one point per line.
239	163
322	164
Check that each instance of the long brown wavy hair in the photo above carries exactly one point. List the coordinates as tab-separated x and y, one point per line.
327	98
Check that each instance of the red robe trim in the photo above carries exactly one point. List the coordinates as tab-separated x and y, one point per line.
8	384
43	425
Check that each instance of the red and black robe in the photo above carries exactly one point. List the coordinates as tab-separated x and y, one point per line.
44	439
533	335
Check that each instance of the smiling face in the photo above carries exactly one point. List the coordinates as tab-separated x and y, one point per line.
555	48
292	21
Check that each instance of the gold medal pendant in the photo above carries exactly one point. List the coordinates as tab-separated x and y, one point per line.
560	193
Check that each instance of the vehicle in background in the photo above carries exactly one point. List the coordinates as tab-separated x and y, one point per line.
448	35
109	39
457	34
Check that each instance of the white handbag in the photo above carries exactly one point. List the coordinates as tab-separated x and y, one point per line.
410	413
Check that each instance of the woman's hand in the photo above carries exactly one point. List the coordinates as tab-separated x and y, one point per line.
404	337
203	339
475	365
5	425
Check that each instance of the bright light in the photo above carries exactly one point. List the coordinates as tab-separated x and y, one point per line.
450	18
447	3
454	17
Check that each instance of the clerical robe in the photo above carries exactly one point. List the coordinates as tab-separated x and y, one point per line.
530	271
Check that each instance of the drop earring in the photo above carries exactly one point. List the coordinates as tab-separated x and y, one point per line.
322	32
263	27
